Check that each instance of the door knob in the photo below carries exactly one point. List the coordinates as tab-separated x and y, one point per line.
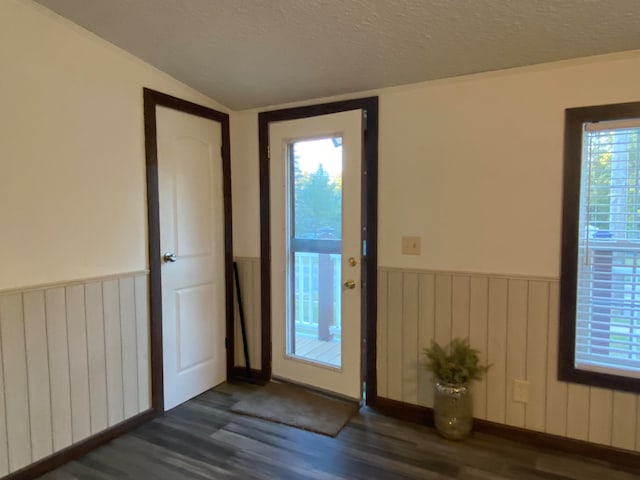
169	257
350	284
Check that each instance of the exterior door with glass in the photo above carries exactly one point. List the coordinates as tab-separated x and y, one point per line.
316	251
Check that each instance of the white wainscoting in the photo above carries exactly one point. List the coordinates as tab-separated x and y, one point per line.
74	361
513	321
249	274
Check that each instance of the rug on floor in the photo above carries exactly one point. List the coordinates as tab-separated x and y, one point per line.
298	407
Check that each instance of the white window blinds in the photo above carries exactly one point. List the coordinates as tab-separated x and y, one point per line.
608	293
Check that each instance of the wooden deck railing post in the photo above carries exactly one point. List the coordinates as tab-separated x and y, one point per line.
602	295
325	297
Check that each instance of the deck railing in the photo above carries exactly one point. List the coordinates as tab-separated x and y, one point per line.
308	284
608	307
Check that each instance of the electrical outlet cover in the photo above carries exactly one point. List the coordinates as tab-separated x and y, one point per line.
521	391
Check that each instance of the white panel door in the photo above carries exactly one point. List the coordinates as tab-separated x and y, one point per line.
316	251
192	245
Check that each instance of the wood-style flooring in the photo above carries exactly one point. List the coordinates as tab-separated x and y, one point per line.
202	439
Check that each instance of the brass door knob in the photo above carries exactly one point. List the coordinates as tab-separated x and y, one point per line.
350	284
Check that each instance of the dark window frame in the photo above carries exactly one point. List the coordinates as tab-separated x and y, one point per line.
575	118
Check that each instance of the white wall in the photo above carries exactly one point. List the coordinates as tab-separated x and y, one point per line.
244	183
485	161
72	187
472	165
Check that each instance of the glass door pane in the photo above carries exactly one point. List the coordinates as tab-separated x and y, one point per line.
315	251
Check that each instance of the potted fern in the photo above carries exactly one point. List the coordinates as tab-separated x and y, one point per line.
454	367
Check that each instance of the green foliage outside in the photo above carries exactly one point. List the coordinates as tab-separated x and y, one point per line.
456	363
318	204
602	148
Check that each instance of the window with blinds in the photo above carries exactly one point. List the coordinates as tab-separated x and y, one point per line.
607	308
599	330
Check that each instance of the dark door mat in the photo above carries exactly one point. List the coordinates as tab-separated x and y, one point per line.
298	407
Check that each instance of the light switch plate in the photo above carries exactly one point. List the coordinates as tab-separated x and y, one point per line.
411	245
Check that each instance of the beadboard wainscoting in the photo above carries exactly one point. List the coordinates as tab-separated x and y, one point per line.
249	275
74	360
513	321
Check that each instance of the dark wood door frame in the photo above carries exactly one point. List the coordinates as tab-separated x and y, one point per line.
369	107
152	99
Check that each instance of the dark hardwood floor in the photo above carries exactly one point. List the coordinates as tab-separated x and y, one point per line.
202	439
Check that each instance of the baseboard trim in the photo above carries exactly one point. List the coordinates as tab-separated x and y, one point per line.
424	415
257	376
403	411
81	448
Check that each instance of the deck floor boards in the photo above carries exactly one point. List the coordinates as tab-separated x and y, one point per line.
318	350
202	439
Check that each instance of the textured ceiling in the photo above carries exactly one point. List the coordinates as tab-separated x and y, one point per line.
251	53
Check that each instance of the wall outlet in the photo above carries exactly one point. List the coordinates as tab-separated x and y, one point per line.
411	245
521	391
